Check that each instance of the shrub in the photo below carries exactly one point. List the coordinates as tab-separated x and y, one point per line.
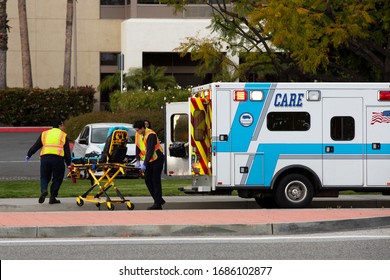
146	99
29	107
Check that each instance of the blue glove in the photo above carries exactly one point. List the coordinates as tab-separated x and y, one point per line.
137	164
143	168
27	158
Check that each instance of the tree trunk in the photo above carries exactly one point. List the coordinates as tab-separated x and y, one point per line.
3	43
68	43
25	45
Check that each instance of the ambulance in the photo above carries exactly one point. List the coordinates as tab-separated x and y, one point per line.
282	143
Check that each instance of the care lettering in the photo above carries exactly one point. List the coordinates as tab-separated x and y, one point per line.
288	100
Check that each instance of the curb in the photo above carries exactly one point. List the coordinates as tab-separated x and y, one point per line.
24	129
193	230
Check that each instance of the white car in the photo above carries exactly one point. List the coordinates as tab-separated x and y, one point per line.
93	137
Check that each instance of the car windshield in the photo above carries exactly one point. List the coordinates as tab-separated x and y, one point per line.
99	134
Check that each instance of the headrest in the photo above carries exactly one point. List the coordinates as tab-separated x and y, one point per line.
112	129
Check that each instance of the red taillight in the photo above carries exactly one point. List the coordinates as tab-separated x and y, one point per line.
384	95
240	95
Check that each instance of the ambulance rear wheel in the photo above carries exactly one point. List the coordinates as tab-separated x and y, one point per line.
294	191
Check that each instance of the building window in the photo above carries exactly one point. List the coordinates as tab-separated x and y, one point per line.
110	59
108	67
113	2
288	121
342	128
148	1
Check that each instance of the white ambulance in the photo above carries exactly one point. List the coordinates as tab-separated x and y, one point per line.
282	143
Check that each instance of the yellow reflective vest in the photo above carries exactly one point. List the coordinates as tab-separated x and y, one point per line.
53	141
140	142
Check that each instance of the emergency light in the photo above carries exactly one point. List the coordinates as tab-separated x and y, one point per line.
313	95
257	95
384	95
240	95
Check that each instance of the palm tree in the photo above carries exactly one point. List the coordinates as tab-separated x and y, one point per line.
25	45
4	29
68	43
153	77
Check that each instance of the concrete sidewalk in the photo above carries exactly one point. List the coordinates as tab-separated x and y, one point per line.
189	216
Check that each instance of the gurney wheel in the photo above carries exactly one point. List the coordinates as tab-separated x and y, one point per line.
79	202
130	205
110	206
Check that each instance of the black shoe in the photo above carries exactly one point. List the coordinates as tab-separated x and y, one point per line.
42	197
53	200
155	207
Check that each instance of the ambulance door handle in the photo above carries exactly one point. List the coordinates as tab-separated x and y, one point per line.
376	146
223	137
329	149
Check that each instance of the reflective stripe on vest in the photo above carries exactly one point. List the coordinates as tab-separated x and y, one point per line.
53	141
141	144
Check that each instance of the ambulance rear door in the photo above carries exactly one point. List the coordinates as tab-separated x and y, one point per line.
176	139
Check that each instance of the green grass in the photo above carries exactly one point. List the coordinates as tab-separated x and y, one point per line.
128	187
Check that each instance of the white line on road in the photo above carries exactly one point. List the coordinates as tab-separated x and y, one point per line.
187	239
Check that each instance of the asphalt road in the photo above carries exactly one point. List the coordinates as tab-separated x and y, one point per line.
13	150
353	245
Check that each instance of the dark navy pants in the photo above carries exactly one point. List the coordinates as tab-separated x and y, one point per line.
52	169
153	179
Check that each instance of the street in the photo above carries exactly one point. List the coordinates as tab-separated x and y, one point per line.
352	245
13	150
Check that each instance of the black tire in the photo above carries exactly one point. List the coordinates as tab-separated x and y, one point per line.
294	191
79	202
130	206
110	206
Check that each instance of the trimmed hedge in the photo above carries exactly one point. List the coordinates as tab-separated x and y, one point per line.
38	107
74	125
146	99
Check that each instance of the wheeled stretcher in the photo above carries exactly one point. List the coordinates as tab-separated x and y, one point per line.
111	163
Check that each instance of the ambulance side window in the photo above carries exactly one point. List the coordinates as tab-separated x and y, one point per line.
342	128
179	126
288	121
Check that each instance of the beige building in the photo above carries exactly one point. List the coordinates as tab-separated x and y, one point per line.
145	31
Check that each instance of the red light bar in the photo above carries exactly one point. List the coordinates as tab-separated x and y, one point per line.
384	95
240	95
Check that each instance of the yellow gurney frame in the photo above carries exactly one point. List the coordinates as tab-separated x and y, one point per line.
103	183
111	163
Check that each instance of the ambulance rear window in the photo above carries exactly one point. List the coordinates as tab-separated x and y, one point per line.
179	128
288	121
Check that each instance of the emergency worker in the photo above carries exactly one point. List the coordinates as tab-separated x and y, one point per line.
55	151
149	150
148	124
